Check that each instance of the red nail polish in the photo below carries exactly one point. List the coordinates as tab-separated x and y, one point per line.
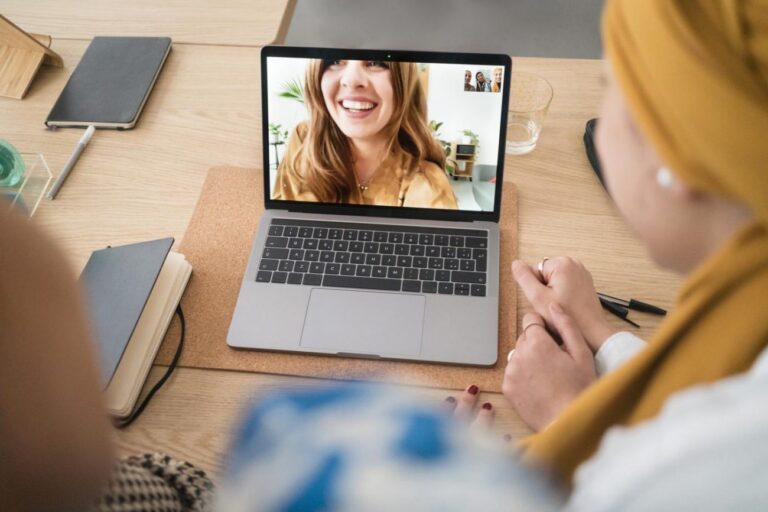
487	406
472	390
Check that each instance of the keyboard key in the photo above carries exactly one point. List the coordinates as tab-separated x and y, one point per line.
373	259
468	265
379	271
357	258
395	273
481	243
443	275
433	251
290	231
294	278
463	252
347	269
305	232
404	261
296	254
396	238
451	264
340	245
411	273
426	239
276	241
445	288
411	238
457	241
420	262
316	268
263	276
275	254
295	243
276	230
327	256
478	290
310	243
448	252
441	239
313	279
481	265
417	250
402	249
321	233
371	247
365	236
387	248
468	277
380	236
279	277
366	283
286	266
411	286
332	268
268	264
435	263
350	234
461	289
334	234
426	274
429	287
342	257
356	247
389	260
480	254
311	255
326	245
363	271
301	266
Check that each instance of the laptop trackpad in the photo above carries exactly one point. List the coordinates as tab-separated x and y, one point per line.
364	323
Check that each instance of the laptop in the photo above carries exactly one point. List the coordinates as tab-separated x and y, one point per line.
382	194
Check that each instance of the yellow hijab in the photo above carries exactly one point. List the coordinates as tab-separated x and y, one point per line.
695	75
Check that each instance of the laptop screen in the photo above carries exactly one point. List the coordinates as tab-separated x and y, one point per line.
390	133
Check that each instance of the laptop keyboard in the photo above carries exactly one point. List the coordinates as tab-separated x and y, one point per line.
375	257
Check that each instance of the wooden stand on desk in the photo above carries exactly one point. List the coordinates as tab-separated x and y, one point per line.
463	160
21	55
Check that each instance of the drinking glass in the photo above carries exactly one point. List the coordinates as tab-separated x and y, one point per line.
529	99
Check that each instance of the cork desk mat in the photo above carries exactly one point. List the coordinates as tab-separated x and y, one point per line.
217	244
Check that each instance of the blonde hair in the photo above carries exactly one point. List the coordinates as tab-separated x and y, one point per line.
323	164
494	85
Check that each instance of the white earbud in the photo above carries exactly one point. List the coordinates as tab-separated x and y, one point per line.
664	178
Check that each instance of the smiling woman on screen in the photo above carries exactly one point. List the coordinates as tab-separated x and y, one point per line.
366	141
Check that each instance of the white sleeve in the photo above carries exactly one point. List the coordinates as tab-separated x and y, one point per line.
616	350
705	451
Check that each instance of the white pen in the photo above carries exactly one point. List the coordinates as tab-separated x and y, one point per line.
71	162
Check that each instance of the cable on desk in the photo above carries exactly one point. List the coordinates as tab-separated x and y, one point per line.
124	422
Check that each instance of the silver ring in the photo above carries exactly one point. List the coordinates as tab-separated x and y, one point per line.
509	356
540	267
532	324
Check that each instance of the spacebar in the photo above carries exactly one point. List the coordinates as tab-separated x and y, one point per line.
366	283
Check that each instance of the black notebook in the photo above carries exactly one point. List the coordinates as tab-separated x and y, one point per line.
117	282
111	83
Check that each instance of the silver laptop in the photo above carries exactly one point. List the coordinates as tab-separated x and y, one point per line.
382	193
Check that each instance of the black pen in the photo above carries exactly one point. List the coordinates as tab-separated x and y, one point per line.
617	310
633	304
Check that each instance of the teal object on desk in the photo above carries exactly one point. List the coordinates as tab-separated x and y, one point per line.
11	165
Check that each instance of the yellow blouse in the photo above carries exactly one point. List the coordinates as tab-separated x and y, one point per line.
392	184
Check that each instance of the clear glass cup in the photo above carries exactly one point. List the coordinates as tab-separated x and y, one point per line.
529	99
27	192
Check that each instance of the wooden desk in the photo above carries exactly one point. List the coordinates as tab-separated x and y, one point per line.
143	184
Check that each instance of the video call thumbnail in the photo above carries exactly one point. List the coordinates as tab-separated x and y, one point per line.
384	133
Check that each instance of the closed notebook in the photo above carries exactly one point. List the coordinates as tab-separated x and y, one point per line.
111	84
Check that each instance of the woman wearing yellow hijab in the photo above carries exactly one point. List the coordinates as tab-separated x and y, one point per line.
683	139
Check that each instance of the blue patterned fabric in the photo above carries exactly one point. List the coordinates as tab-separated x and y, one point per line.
361	447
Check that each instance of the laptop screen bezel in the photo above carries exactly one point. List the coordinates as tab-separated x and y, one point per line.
392	55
